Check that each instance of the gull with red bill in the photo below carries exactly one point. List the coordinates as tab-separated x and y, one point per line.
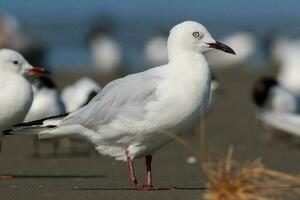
37	71
16	92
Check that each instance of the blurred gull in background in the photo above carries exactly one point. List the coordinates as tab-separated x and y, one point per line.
280	100
79	93
155	51
285	122
12	36
105	50
268	94
287	52
277	105
10	33
46	103
245	43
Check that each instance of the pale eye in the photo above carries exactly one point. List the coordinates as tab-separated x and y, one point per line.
16	62
196	34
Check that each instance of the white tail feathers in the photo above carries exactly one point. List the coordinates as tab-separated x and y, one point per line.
49	128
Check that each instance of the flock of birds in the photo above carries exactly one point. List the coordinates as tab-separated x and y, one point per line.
133	116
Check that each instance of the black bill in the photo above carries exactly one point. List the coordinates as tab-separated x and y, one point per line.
222	47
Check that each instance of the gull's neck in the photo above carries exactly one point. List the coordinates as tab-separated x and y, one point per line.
189	67
187	59
179	52
11	76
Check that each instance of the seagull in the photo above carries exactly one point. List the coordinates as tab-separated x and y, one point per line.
106	54
268	94
46	103
16	90
275	103
244	42
289	69
105	49
285	52
155	50
80	93
11	35
285	122
134	116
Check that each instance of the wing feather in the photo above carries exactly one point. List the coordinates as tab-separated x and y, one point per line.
123	97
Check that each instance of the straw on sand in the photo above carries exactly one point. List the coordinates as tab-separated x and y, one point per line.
229	180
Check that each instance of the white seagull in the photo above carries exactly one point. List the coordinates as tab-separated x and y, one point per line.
132	117
278	107
155	51
46	103
16	91
286	122
268	94
106	53
244	42
80	93
290	69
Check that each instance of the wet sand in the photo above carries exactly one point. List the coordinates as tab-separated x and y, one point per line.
230	121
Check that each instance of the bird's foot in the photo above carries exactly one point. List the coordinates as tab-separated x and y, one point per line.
137	186
5	177
152	187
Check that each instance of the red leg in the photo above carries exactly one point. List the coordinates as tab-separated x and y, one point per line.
148	183
131	172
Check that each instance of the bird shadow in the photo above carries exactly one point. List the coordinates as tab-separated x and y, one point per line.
61	155
29	176
132	189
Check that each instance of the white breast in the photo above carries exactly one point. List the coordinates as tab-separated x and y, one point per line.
183	98
15	101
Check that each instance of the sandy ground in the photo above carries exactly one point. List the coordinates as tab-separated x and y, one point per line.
230	121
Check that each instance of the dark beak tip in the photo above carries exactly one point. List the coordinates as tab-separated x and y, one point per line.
222	47
47	72
231	52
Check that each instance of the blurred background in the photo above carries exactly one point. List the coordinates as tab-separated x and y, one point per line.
108	39
62	29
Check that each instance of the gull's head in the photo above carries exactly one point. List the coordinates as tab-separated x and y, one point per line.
193	36
262	90
13	62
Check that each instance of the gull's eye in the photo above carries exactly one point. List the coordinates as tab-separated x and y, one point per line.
196	34
16	62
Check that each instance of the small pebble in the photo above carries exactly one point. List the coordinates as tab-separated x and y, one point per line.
191	160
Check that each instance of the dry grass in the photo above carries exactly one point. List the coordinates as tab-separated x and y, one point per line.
229	180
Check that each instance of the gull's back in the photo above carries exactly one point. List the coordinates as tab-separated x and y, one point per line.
122	97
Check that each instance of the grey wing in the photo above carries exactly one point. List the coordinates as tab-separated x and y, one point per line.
126	96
